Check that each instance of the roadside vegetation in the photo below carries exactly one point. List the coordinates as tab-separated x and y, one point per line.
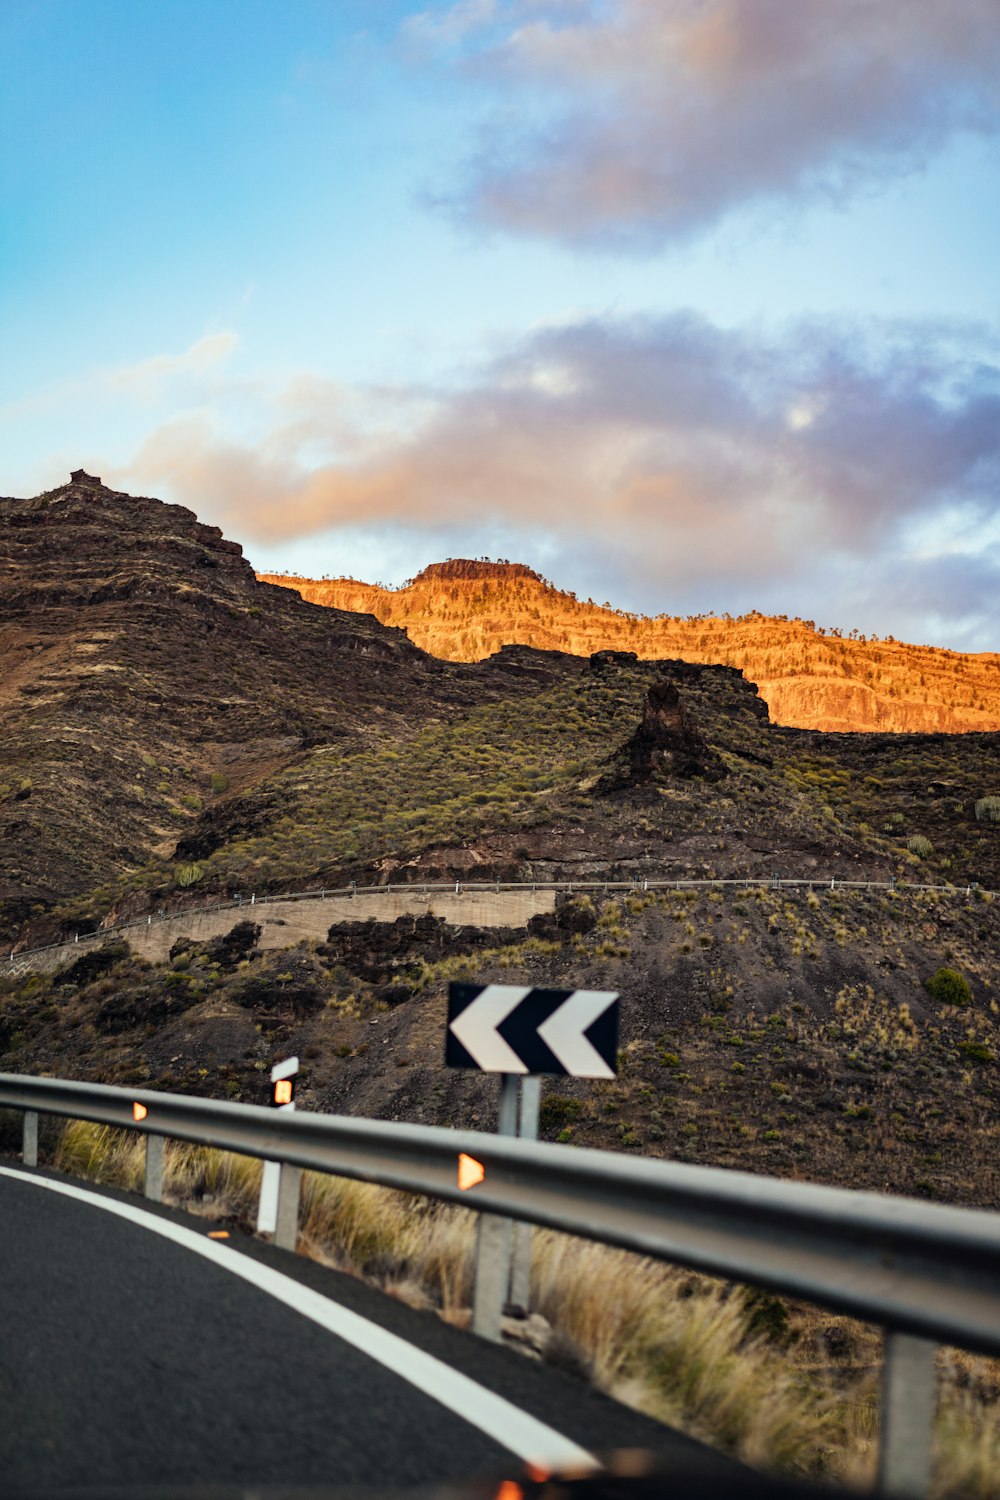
781	1385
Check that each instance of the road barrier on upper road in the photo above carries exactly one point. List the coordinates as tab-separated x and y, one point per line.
17	958
927	1273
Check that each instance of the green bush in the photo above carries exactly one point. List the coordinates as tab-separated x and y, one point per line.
950	987
557	1111
976	1051
988	810
189	874
919	845
767	1317
220	783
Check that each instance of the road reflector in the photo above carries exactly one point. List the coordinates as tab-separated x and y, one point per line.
139	1111
283	1091
218	1234
509	1491
470	1171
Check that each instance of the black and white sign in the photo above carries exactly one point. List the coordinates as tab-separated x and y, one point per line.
509	1028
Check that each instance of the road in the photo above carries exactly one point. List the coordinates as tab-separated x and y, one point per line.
137	1350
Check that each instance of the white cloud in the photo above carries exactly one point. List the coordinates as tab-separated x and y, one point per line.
147	377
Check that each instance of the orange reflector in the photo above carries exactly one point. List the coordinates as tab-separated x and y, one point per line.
509	1491
218	1234
283	1091
538	1472
470	1171
139	1111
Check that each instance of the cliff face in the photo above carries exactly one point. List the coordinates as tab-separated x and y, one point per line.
465	610
141	664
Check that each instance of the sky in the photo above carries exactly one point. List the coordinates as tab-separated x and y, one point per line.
692	305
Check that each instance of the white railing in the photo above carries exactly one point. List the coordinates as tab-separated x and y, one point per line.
459	887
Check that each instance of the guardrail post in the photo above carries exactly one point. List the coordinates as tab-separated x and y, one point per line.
520	1274
153	1184
29	1139
286	1229
909	1390
493	1239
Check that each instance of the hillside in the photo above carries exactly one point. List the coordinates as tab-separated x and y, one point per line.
175	729
144	671
465	610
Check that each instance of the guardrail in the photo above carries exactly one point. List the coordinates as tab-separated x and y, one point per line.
639	883
928	1274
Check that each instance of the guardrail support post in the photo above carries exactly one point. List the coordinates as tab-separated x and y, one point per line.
286	1228
153	1185
520	1275
493	1239
29	1140
909	1390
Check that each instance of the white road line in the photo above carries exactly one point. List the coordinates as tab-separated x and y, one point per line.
514	1429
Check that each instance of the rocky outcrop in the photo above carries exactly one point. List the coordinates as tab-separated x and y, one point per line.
666	742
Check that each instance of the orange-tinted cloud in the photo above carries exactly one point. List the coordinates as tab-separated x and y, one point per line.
669	451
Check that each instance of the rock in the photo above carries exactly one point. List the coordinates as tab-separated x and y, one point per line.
530	1332
665	743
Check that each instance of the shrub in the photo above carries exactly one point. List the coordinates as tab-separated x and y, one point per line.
950	987
919	845
988	810
976	1051
189	874
557	1111
220	783
767	1316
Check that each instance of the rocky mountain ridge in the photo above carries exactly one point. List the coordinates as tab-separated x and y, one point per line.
466	609
139	659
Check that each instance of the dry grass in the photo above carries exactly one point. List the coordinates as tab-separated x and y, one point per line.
676	1346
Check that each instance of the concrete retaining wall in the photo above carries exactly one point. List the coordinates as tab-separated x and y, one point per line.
285	923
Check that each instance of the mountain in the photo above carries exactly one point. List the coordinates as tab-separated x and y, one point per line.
174	729
142	665
464	610
173	726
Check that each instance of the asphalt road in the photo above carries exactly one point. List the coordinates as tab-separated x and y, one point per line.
127	1358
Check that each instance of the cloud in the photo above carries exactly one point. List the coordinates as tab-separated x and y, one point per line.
628	125
434	31
146	378
701	467
144	382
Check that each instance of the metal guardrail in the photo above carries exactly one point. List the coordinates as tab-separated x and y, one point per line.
927	1273
460	887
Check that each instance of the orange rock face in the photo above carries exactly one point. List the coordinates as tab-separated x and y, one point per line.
464	610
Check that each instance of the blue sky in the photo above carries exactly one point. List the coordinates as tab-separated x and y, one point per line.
694	306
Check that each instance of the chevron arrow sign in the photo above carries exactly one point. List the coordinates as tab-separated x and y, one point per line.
510	1028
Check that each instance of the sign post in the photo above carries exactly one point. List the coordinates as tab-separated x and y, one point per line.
521	1032
278	1207
527	1129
